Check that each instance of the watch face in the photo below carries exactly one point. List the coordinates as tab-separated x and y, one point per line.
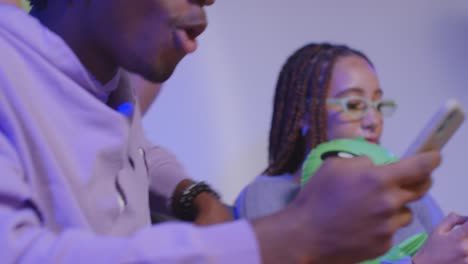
344	148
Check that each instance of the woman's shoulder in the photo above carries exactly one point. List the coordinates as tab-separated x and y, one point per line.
266	195
265	184
284	178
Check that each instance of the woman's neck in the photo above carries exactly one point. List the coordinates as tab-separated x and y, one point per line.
297	175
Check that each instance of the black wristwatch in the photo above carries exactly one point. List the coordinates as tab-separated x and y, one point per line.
183	206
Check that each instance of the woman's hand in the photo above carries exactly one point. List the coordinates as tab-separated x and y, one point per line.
448	243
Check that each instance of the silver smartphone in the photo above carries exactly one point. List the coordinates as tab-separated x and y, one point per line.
439	130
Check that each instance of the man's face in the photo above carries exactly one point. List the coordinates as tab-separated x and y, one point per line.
148	37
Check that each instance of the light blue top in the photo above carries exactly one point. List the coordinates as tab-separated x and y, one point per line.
269	194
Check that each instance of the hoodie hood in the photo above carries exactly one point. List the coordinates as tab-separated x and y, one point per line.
38	40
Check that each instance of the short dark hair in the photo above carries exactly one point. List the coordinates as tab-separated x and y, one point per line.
38	4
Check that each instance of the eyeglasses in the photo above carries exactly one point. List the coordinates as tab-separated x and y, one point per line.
356	107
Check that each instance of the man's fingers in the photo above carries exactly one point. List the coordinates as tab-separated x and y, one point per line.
414	192
402	218
412	171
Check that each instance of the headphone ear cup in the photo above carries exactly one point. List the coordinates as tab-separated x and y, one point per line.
337	154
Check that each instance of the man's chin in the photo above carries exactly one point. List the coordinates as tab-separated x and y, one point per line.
159	75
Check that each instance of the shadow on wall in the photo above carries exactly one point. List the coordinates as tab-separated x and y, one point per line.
451	39
243	168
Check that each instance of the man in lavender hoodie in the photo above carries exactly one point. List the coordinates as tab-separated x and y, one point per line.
76	167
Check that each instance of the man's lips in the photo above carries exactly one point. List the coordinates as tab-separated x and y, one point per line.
187	31
193	30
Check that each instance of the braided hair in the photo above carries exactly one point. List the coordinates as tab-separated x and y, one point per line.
301	91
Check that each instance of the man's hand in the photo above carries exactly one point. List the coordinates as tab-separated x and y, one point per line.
348	212
211	210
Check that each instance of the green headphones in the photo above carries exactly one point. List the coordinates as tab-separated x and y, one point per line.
348	148
344	148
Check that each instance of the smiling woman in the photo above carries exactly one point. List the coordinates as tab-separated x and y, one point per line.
77	171
324	92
